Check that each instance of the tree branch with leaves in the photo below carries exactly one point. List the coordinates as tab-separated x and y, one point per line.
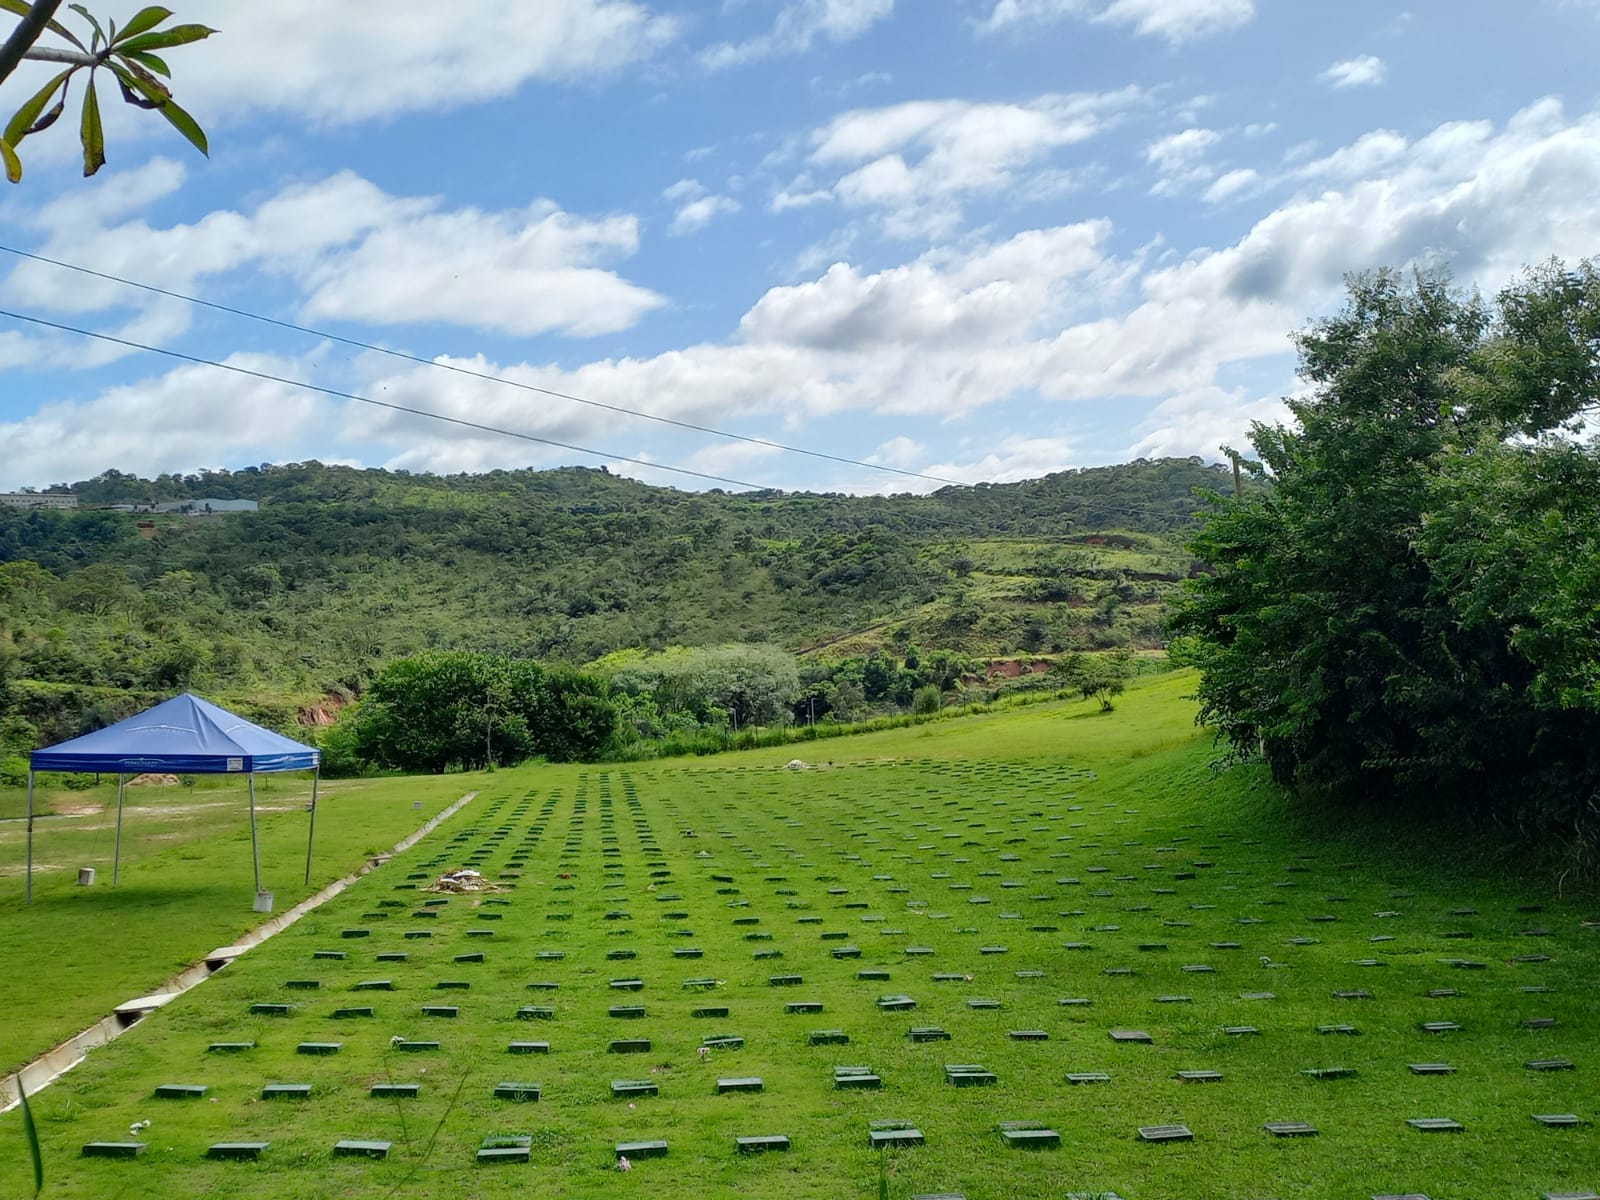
129	54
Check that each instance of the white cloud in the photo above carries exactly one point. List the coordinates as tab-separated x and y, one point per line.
1366	156
841	88
1201	422
799	25
698	213
1180	159
697	208
110	196
1366	71
189	417
1232	183
522	272
1000	293
945	333
916	163
1174	20
1007	460
799	194
1180	151
1011	459
1048	320
357	252
339	63
724	460
902	452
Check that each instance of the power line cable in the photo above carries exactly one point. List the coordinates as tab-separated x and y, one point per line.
471	374
417	412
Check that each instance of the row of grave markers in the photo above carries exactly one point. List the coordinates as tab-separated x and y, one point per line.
957	1074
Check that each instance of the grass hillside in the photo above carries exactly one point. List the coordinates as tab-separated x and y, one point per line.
344	569
1053	873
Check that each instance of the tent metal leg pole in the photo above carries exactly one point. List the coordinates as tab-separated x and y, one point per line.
311	837
29	886
116	853
255	842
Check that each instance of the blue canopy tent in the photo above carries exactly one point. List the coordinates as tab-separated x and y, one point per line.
185	735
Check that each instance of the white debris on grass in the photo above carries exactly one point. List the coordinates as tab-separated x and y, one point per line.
464	880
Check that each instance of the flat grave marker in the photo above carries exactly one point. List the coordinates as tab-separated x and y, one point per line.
237	1151
523	1092
1165	1133
112	1149
1435	1125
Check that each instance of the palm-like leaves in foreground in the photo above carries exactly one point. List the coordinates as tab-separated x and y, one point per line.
129	53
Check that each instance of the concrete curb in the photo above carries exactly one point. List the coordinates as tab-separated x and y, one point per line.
53	1064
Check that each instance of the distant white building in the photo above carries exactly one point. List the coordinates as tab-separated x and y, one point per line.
38	500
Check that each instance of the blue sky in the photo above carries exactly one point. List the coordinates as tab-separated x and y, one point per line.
977	239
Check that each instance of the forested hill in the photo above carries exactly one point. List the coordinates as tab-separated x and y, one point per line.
342	569
1147	496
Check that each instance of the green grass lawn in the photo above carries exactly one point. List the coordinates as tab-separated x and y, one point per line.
186	886
979	850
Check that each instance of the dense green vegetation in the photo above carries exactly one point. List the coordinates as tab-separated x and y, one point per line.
344	570
452	709
1411	615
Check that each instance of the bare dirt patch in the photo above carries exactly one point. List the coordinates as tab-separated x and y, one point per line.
79	808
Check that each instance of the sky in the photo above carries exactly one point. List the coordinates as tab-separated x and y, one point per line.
963	240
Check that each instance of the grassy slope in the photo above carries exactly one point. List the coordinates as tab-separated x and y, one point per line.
1015	783
350	568
186	887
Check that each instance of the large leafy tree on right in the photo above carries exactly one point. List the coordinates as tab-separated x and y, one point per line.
1409	612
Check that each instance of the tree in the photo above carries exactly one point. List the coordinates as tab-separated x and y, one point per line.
128	53
1101	677
741	685
437	710
1411	611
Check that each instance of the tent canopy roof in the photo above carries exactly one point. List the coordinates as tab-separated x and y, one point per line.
185	735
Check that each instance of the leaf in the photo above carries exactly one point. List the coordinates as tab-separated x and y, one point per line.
21	8
178	35
99	33
141	21
130	75
186	125
130	96
28	1130
50	117
13	164
154	62
91	132
26	119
